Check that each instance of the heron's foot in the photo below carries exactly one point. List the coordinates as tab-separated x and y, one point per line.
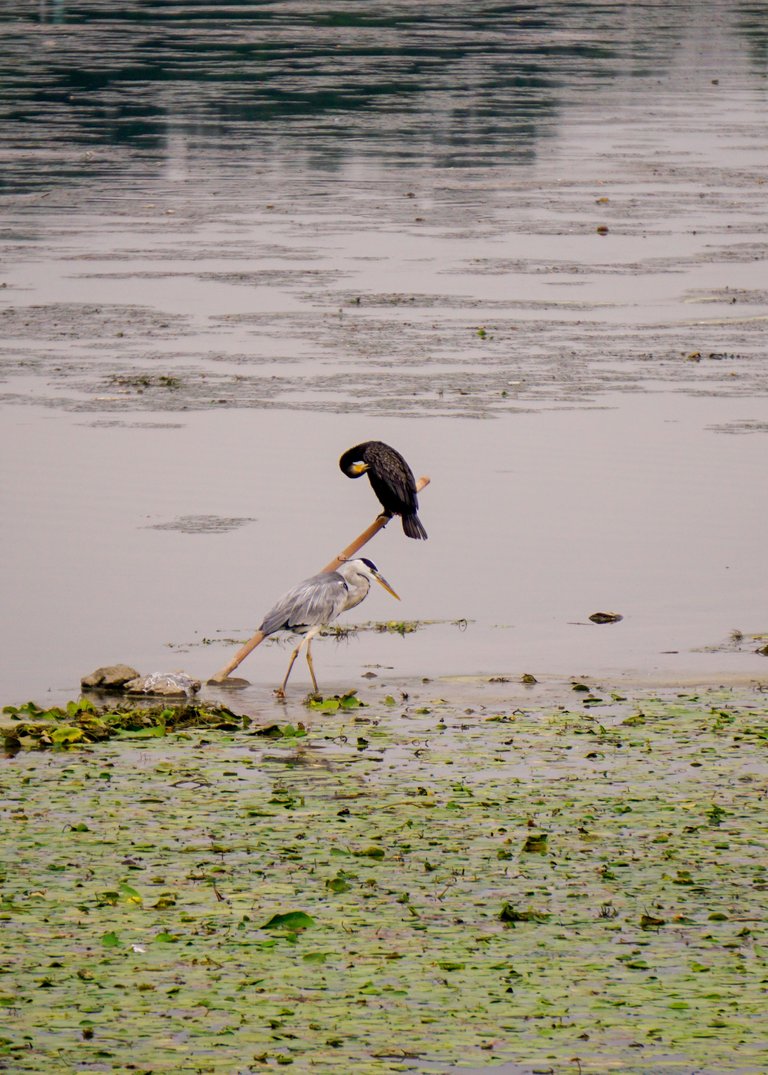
279	693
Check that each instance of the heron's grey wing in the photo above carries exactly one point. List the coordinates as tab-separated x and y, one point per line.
314	601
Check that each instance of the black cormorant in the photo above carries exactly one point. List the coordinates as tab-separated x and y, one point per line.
392	481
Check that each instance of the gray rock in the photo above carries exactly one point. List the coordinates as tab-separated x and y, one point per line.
163	684
112	677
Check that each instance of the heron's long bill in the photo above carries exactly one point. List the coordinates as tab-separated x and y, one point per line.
383	582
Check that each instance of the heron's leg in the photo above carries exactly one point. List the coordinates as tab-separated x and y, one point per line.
280	692
311	668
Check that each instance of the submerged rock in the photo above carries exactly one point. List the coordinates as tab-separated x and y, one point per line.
112	677
163	684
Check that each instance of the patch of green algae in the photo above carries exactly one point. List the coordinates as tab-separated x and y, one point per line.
394	888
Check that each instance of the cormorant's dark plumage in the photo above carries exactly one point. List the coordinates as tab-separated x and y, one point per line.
392	481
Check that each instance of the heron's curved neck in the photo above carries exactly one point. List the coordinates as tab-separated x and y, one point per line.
358	586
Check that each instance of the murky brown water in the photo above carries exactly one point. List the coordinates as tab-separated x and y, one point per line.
224	265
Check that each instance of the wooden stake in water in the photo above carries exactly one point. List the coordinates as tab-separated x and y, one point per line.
347	554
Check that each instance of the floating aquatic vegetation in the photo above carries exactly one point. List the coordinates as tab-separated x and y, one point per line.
457	887
30	727
203	524
334	704
397	627
739	642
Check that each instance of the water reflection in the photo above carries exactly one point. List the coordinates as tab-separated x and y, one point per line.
400	82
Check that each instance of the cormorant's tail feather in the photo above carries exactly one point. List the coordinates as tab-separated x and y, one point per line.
413	528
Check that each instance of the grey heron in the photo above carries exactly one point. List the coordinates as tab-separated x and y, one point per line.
318	601
392	481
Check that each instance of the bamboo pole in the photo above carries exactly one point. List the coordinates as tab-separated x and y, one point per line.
362	539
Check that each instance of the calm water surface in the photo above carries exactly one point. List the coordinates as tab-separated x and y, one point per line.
527	244
99	91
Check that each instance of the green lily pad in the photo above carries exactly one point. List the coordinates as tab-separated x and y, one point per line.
290	920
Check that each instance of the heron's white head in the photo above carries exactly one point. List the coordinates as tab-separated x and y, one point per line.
355	568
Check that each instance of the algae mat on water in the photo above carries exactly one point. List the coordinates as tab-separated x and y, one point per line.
395	887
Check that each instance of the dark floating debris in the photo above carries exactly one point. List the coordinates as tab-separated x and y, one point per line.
606	617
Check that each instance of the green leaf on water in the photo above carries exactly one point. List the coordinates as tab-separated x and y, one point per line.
157	731
317	957
66	734
111	940
82	705
338	883
290	920
130	895
536	844
30	709
647	921
346	701
509	915
371	853
324	705
164	937
716	815
270	731
276	731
